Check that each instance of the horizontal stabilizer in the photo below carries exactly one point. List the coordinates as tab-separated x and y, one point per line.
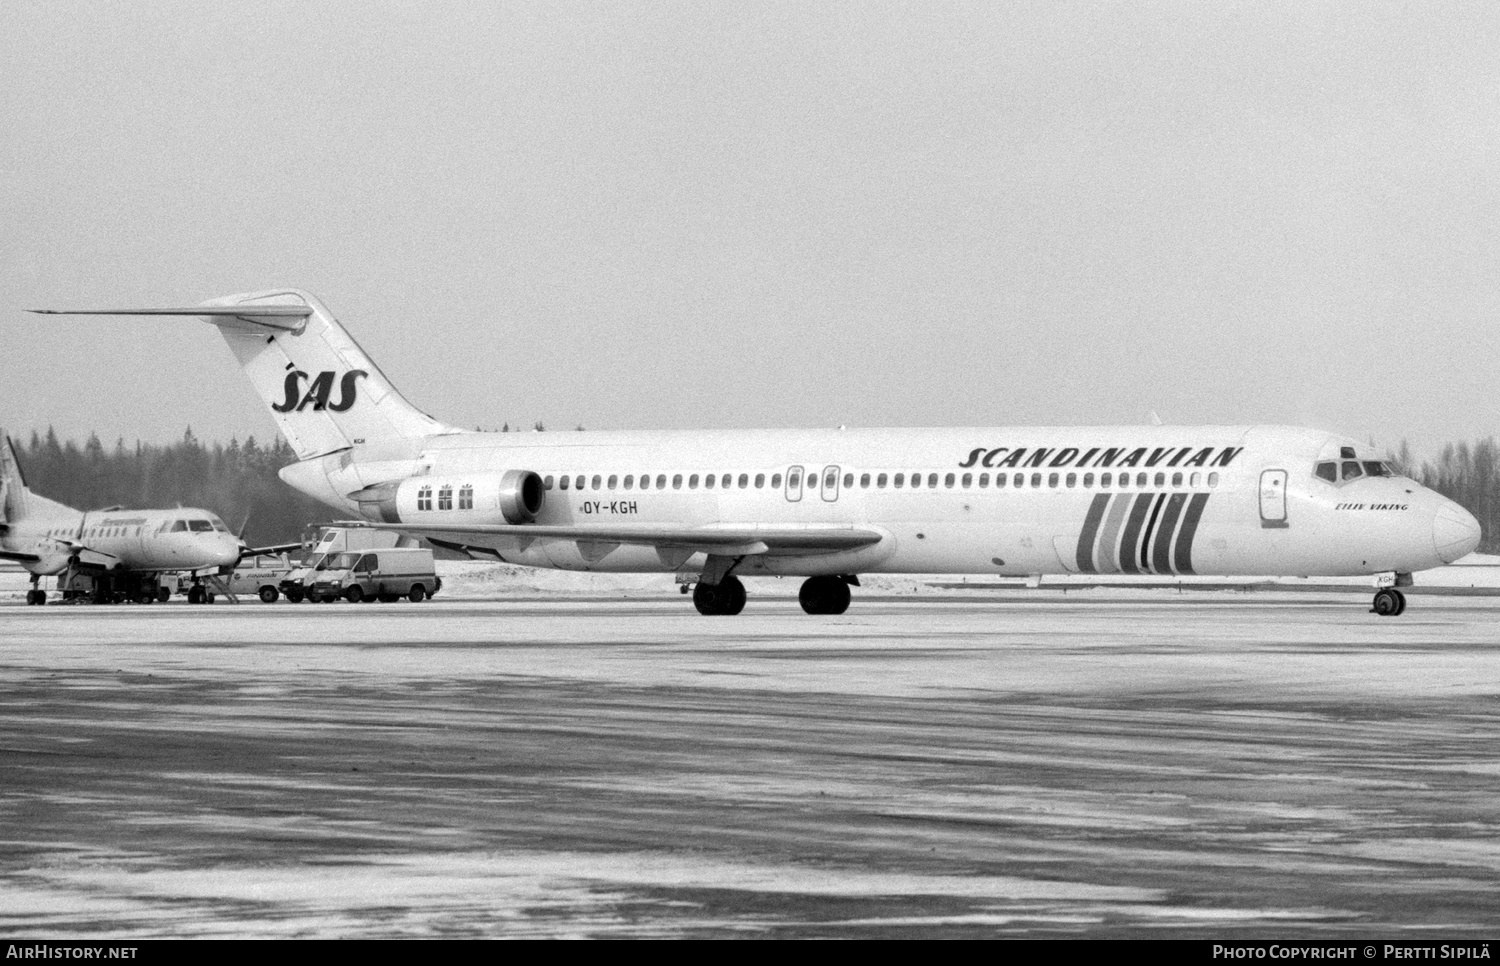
289	317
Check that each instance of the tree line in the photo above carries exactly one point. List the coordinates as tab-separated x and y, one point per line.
238	481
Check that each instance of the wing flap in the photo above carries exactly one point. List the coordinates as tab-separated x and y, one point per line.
290	318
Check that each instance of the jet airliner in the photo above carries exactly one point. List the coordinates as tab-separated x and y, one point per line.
115	553
829	505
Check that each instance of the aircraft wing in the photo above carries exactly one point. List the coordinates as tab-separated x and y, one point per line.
271	550
723	540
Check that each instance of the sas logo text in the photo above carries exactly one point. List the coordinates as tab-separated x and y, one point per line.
318	392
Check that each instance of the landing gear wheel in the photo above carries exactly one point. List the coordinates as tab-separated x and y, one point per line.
1389	602
417	594
354	594
725	598
268	595
824	595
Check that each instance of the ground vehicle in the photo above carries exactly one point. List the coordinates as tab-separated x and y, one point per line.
260	575
296	584
387	575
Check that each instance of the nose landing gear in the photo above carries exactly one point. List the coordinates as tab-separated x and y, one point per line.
1389	602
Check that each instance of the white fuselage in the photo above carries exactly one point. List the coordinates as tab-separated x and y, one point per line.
1106	500
132	541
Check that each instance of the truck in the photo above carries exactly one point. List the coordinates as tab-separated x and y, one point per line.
387	575
330	540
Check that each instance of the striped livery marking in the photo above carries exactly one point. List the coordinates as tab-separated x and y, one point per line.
1138	533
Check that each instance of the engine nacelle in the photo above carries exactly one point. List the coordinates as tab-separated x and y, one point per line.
515	496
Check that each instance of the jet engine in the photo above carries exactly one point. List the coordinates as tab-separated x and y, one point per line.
514	497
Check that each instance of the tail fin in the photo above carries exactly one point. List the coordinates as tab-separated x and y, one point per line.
324	393
17	502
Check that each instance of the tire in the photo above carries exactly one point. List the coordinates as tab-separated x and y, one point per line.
731	596
163	594
1387	603
294	595
824	595
418	592
354	594
706	599
195	594
389	598
268	595
208	597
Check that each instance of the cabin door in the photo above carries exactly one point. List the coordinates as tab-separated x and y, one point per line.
1273	498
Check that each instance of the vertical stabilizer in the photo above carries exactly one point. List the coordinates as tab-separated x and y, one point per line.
323	391
17	502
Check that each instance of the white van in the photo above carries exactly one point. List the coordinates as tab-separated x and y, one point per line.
331	540
387	574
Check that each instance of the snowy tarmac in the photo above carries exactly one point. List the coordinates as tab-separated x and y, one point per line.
1105	763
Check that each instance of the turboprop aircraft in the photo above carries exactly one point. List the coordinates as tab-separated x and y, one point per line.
829	505
111	554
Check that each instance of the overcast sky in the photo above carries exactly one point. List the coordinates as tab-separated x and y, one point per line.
678	215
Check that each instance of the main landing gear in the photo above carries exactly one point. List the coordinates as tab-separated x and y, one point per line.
727	597
1389	602
36	596
826	595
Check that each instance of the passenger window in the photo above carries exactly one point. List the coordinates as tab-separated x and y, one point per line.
967	481
726	480
984	481
948	481
677	481
578	483
629	481
932	481
1352	471
661	481
708	482
864	481
831	478
760	480
547	483
899	480
693	482
1000	479
1213	480
794	484
424	498
848	481
645	481
445	498
562	483
880	481
1052	480
1072	480
1088	480
613	480
1176	479
1018	481
775	481
1195	480
1327	471
466	497
744	480
1161	479
596	481
1140	479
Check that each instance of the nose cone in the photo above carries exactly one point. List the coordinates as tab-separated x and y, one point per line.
226	551
1455	532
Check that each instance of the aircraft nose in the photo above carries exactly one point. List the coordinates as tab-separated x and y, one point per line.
1455	532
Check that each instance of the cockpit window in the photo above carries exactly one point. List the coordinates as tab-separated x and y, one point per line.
218	524
1377	468
1328	471
1352	470
200	526
179	526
